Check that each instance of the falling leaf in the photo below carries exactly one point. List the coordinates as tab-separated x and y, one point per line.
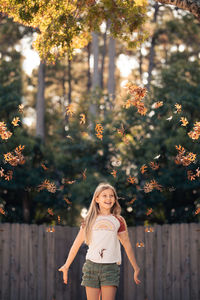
149	229
99	131
178	107
169	119
143	169
156	157
46	184
184	121
2	172
131	180
197	211
153	165
70	110
15	121
140	244
9	175
83	119
132	200
157	104
44	167
197	172
2	211
195	133
4	133
114	173
50	211
67	200
191	176
149	211
84	174
21	108
50	229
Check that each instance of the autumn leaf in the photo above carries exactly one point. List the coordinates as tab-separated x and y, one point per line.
131	180
83	119
67	200
99	131
44	167
114	173
178	107
184	121
15	121
149	211
50	211
70	110
132	200
143	169
21	108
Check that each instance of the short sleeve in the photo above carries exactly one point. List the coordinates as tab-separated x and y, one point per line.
123	226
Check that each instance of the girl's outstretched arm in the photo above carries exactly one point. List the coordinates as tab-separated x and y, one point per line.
125	241
72	253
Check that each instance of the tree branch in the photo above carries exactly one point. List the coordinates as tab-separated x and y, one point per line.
192	6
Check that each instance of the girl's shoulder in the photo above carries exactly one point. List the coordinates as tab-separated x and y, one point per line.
123	225
82	223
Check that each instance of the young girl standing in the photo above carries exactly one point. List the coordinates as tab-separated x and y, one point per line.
102	230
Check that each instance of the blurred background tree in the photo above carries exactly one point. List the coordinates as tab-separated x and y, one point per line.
68	154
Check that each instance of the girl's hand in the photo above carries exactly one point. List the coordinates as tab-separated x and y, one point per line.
136	273
64	269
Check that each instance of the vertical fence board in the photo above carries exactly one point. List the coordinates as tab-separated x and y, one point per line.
166	233
158	278
1	258
67	289
74	269
6	262
185	259
129	284
60	241
149	266
41	261
24	265
175	238
50	266
140	258
193	261
15	261
33	254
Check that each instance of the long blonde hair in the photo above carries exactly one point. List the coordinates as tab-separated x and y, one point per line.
94	209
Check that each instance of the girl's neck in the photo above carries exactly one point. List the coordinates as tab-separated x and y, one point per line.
104	214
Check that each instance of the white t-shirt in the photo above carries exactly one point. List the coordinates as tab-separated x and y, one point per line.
105	246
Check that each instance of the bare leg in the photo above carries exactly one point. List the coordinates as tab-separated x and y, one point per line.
108	292
92	293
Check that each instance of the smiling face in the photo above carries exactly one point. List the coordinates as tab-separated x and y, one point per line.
106	200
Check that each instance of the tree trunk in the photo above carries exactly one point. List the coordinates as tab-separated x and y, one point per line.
152	49
69	82
103	58
95	77
89	83
111	69
40	104
95	50
192	6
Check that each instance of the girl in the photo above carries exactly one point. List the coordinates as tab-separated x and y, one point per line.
102	230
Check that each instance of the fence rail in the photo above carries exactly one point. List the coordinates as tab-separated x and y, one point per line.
30	257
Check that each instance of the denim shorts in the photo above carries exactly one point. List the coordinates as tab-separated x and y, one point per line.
98	274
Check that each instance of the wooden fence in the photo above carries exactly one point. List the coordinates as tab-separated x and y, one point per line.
30	258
